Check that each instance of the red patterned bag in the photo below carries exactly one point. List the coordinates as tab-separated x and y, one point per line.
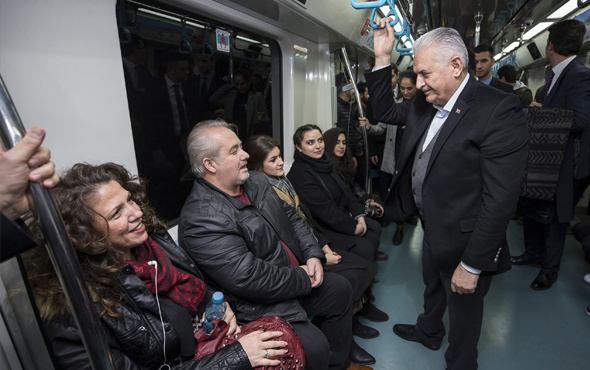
293	359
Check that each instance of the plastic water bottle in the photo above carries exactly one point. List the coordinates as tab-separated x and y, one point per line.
215	311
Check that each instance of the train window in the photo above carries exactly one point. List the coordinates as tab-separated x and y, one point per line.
182	68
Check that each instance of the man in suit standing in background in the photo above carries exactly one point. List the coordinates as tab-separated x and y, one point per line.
568	87
484	60
460	167
205	84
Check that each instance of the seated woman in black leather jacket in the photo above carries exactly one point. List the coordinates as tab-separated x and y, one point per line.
328	198
345	166
117	238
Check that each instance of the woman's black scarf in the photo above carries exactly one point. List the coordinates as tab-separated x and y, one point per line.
322	165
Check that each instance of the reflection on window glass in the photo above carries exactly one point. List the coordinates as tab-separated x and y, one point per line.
178	73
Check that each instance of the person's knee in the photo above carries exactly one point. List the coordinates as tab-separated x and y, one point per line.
338	291
581	230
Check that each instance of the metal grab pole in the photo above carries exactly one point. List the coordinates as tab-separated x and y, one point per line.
362	114
58	245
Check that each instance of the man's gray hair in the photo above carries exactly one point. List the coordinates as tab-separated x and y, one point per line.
448	43
200	146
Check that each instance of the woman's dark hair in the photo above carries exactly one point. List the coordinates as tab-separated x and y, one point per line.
247	77
258	148
343	165
408	73
97	257
300	132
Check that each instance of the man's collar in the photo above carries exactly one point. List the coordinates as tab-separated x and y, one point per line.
488	80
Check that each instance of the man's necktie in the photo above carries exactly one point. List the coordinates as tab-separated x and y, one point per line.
180	105
548	85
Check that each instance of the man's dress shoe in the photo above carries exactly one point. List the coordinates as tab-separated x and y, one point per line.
408	332
381	256
544	281
521	260
360	356
372	313
363	331
398	237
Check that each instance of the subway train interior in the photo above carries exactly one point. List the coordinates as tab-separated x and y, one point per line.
62	63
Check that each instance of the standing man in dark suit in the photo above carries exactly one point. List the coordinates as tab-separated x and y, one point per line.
484	60
167	117
460	167
205	84
568	87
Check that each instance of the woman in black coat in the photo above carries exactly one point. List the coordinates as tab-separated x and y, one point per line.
328	198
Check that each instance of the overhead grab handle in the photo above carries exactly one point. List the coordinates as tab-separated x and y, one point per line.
399	44
207	48
185	46
376	5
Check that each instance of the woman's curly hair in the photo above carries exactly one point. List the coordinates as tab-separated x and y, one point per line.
342	165
97	257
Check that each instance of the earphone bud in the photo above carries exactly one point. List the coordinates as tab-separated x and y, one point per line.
155	264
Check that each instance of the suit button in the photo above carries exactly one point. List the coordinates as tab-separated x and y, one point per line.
420	156
413	173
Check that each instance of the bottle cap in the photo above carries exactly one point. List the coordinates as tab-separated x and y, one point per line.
217	297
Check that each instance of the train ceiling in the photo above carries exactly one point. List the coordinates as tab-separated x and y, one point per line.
502	21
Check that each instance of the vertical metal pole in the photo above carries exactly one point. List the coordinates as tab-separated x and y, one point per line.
58	245
362	114
231	56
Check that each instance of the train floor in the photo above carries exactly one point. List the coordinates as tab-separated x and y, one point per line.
522	328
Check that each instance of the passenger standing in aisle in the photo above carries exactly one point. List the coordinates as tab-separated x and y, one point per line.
460	167
568	87
484	60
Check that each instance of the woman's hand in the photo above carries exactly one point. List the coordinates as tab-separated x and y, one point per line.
230	319
258	343
378	206
361	227
332	257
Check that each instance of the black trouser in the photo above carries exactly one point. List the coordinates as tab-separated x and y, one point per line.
465	314
544	243
365	246
331	303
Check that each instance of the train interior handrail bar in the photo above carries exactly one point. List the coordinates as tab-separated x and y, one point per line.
59	247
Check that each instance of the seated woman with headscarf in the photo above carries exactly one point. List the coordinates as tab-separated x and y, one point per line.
146	309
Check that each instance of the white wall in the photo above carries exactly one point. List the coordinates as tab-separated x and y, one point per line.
61	63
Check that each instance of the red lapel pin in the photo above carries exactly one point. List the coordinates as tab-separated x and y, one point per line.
458	111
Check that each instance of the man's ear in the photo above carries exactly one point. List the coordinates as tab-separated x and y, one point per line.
457	65
209	165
